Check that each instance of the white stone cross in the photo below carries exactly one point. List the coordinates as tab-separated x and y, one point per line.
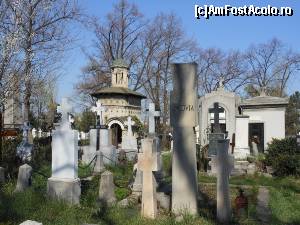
129	124
33	131
152	114
65	108
148	162
99	109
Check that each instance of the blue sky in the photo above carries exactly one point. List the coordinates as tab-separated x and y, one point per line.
222	32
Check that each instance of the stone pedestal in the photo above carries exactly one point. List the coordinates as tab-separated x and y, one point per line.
64	189
109	151
223	192
242	150
24	178
183	110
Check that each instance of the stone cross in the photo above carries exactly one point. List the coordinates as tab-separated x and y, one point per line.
152	114
33	132
221	83
129	123
99	109
216	110
147	163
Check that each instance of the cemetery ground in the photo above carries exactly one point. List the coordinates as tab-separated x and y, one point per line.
33	204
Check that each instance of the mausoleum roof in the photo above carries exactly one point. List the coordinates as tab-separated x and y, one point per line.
117	91
265	100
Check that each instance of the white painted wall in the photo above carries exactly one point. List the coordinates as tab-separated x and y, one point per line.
273	119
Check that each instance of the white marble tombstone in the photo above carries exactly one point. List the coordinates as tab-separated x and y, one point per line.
109	151
24	178
183	112
34	132
241	149
89	152
129	142
151	118
147	163
64	182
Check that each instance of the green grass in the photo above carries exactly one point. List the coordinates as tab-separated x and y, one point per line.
285	206
35	205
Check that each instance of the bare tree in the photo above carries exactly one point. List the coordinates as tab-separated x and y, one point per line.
44	26
162	43
115	38
272	65
215	65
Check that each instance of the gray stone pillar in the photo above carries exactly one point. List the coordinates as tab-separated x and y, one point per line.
223	192
183	111
107	188
24	178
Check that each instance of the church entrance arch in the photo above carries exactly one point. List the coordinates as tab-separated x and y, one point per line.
116	132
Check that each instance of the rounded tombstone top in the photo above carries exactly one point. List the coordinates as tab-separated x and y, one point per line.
119	63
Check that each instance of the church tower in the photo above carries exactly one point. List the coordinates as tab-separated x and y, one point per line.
119	73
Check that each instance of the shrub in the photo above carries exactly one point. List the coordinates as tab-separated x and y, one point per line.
284	156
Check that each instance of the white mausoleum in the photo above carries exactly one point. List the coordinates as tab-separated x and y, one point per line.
261	118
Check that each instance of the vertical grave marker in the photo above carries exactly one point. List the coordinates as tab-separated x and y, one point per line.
183	110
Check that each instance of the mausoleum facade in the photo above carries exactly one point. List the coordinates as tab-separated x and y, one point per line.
249	123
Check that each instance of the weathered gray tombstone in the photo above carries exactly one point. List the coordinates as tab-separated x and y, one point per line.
183	112
107	189
147	163
64	182
224	168
2	175
137	186
99	163
30	222
24	178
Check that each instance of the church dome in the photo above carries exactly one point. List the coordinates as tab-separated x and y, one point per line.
119	63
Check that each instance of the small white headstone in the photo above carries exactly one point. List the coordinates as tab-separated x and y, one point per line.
152	114
24	178
107	188
30	222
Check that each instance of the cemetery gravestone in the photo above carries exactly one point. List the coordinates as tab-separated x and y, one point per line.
152	114
64	182
223	193
147	163
129	142
183	120
90	152
24	178
30	222
99	164
107	189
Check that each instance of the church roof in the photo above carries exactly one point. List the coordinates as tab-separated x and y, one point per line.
120	63
264	100
117	90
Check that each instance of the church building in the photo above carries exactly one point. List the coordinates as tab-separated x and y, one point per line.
119	101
